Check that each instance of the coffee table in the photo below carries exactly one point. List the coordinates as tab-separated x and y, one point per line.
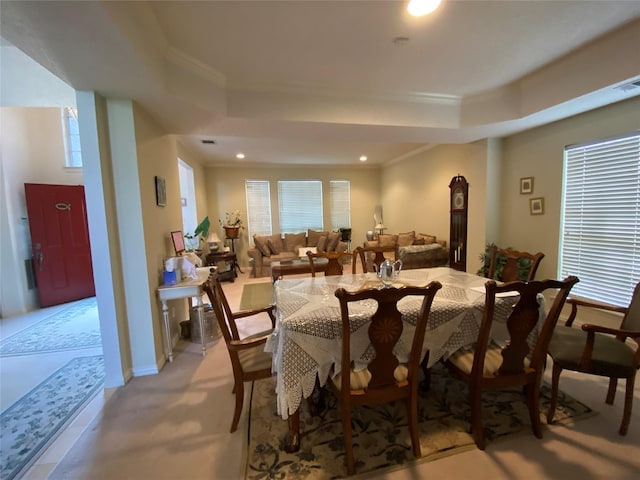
295	266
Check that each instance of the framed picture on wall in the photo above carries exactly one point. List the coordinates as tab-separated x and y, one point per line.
526	185
536	206
161	192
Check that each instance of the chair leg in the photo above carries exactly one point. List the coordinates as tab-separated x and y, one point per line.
628	404
239	388
414	431
611	393
533	404
555	379
475	401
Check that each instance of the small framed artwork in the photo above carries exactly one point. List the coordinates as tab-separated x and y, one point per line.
536	206
526	185
161	192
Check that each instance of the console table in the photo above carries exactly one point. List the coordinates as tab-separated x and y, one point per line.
189	288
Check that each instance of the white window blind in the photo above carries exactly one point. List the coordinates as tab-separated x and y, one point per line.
340	192
258	207
600	239
300	205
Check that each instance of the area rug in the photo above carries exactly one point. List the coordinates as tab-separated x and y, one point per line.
31	423
76	326
256	295
381	439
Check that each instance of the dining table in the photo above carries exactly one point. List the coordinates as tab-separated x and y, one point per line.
306	343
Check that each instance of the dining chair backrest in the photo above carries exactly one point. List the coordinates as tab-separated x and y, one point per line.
631	320
226	323
335	262
374	255
509	265
385	379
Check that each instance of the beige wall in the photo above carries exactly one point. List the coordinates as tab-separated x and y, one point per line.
31	151
226	192
415	193
539	153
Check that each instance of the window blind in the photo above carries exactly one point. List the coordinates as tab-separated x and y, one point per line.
340	192
258	207
300	205
600	234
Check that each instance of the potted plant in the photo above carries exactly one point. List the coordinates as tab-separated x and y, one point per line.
201	232
232	224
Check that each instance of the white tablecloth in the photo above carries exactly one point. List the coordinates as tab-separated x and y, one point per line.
307	341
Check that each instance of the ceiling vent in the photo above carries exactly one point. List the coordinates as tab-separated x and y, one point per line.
629	86
208	142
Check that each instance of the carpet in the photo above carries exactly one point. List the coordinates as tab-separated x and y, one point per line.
30	424
256	295
76	326
380	437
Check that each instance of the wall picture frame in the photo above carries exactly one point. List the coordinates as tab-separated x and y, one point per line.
526	185
161	192
536	206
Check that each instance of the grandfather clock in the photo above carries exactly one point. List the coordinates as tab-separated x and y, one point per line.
458	229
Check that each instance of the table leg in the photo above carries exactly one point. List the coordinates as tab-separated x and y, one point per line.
167	332
292	440
203	333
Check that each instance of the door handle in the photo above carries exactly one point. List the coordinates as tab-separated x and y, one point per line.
39	258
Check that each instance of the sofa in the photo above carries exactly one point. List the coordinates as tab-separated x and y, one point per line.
415	250
273	248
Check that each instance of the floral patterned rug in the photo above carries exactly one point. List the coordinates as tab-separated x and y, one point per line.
381	437
76	326
28	425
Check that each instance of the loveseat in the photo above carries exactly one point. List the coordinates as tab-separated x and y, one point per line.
273	248
415	250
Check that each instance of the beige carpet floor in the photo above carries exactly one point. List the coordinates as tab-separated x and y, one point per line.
175	425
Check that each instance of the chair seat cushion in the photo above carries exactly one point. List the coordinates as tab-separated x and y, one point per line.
611	357
254	359
360	379
463	360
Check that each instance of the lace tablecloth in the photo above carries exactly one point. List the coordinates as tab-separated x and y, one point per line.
307	340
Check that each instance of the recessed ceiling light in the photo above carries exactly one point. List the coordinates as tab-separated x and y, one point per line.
363	158
240	156
210	142
419	8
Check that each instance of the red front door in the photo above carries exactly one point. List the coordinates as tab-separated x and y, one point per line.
60	242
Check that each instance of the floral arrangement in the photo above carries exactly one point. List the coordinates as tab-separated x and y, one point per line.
232	219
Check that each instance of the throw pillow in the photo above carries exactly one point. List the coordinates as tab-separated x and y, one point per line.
387	240
406	239
294	240
313	236
261	245
322	244
332	241
427	238
272	248
418	241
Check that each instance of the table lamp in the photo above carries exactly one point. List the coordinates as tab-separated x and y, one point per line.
213	240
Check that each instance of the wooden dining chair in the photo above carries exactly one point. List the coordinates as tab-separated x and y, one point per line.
490	366
385	379
509	265
599	350
248	359
375	254
335	265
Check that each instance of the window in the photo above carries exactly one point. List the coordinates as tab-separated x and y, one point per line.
73	154
300	205
600	231
258	207
340	191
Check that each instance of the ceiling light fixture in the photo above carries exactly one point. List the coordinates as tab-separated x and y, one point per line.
363	158
240	156
420	8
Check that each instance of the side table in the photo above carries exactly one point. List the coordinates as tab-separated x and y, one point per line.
230	261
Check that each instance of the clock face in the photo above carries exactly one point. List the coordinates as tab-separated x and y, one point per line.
458	199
